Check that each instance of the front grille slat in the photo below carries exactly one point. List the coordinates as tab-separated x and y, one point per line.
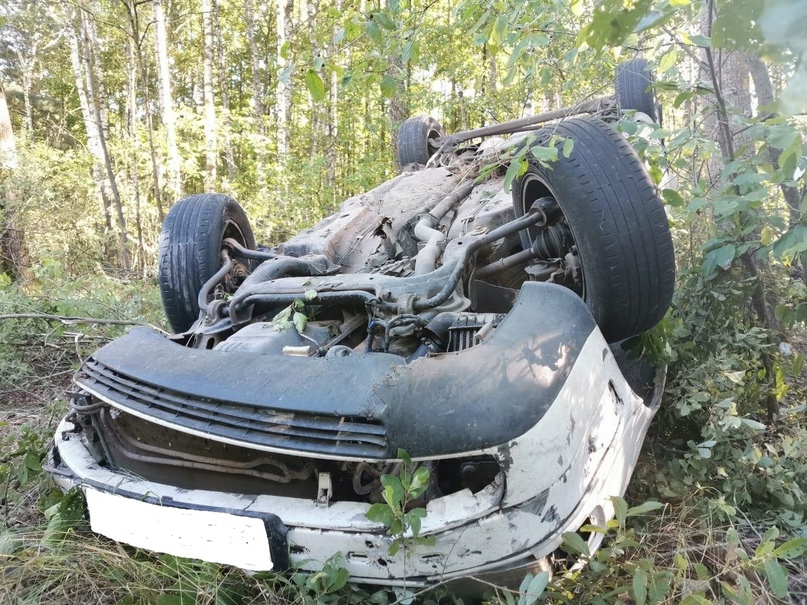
301	431
265	422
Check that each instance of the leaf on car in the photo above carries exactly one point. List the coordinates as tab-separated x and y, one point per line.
380	513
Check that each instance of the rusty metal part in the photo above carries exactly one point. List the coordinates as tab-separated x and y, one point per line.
242	252
214	280
446	144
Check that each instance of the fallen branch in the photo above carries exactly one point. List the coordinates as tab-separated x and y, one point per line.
76	320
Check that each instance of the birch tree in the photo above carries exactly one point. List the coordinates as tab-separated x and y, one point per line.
137	45
283	94
229	158
89	68
209	102
166	100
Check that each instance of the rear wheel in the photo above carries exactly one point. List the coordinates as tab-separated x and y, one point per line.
192	238
634	88
613	225
416	138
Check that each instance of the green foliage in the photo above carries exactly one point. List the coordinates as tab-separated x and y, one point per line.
397	513
650	560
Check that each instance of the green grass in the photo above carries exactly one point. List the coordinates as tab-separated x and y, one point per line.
697	548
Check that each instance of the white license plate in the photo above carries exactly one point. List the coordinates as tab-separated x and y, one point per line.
197	534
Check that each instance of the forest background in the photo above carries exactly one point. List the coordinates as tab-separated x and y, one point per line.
111	110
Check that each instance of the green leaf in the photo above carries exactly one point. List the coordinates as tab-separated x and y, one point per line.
719	257
535	588
669	59
420	480
790	549
612	22
393	490
696	599
300	321
373	31
516	168
643	508
699	40
792	242
573	543
620	509
414	522
640	586
499	32
384	20
340	579
544	154
673	198
389	86
310	294
411	52
777	578
315	85
568	146
753	424
402	454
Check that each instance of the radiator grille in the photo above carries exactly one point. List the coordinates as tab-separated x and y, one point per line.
249	425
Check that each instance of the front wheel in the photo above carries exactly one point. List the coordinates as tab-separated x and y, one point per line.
192	238
613	223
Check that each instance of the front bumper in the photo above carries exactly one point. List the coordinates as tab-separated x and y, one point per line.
557	476
361	407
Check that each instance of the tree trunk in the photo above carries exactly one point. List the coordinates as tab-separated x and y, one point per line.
132	124
134	23
26	71
312	7
13	254
166	102
254	53
283	94
211	151
91	128
229	158
332	130
93	86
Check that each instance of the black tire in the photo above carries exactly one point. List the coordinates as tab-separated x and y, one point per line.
616	219
415	138
190	250
634	81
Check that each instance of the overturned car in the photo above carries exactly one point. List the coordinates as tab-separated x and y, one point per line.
476	329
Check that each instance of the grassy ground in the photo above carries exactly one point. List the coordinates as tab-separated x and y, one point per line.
678	553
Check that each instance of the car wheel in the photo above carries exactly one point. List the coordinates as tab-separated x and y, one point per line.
416	138
613	223
191	242
634	81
